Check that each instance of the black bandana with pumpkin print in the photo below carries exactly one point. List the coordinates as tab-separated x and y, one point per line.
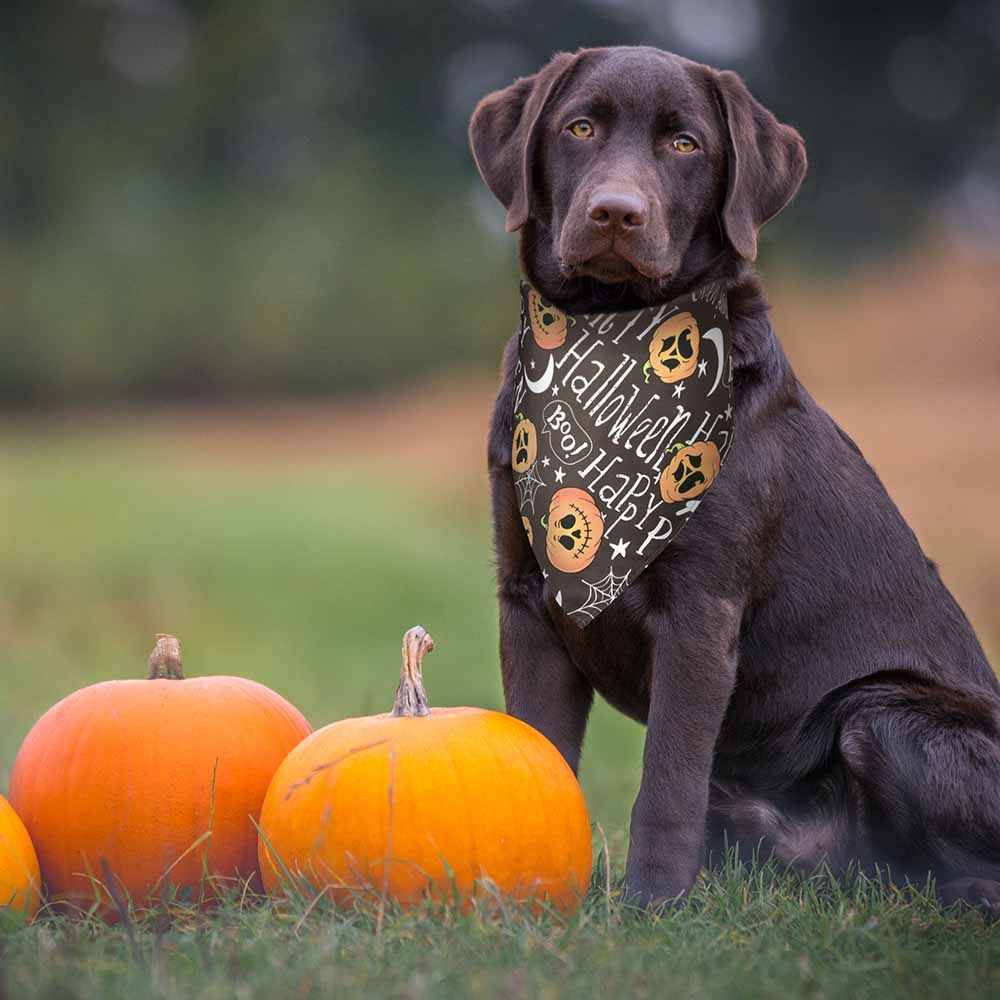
621	423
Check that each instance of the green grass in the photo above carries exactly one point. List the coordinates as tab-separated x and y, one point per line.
306	581
742	935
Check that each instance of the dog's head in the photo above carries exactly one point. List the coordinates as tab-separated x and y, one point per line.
632	172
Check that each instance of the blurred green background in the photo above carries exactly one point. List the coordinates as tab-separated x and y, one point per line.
252	297
212	198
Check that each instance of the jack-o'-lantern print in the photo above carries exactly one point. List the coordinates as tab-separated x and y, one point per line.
528	530
548	324
691	471
673	350
573	531
524	448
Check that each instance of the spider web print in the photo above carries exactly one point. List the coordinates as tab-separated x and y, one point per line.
527	486
601	594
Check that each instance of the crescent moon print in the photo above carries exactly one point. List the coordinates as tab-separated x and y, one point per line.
715	337
618	441
544	383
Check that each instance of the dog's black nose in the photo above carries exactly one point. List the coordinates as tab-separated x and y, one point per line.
618	209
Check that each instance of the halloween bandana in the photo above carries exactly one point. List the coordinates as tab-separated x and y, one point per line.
621	424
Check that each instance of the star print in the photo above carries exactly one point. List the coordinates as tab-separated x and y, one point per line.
532	364
702	367
678	389
546	461
728	412
555	390
560	475
619	548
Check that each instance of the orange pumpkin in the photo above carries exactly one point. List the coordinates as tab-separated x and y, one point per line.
673	349
427	801
691	471
131	775
20	880
574	530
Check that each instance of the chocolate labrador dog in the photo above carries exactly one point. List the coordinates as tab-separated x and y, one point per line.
807	682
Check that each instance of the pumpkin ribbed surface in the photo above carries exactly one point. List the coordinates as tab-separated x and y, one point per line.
123	772
20	880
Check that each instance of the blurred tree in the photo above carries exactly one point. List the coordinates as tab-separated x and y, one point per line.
267	197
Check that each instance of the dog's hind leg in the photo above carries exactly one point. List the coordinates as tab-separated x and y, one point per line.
926	761
818	831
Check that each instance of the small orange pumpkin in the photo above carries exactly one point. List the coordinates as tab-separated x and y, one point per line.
135	773
424	801
574	530
20	879
524	447
691	471
548	324
673	349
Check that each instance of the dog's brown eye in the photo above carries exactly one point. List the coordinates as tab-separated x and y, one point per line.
582	129
685	144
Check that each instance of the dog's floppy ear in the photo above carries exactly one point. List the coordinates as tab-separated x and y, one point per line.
503	131
767	163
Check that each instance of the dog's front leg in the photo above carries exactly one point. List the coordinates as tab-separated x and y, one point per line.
692	672
541	684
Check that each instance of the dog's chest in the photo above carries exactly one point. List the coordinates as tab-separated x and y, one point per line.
613	654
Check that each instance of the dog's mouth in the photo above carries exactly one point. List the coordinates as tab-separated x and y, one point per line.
612	267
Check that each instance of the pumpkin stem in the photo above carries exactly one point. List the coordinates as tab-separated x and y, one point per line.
165	660
411	698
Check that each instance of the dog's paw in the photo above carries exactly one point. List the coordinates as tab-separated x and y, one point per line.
655	895
645	899
651	903
981	893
